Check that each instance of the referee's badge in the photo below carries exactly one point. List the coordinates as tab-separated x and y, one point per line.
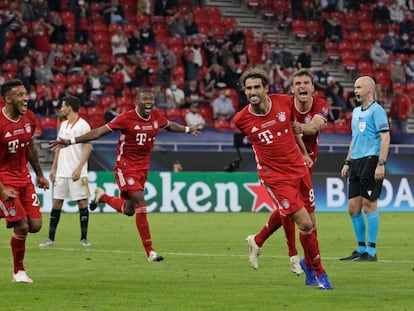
362	126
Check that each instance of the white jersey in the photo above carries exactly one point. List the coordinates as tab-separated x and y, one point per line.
70	157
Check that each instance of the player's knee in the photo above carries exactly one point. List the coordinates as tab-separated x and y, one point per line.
35	229
129	211
306	226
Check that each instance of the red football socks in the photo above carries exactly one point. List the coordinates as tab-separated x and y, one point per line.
18	247
143	227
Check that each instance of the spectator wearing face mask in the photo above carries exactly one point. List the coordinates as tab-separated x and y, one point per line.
193	118
43	71
381	13
397	71
333	30
27	76
41	35
396	12
405	44
390	42
19	50
32	103
81	94
174	96
211	51
223	108
193	94
406	25
409	70
112	112
378	54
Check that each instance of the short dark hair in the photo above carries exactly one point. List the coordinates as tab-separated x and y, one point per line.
302	72
8	85
254	73
144	90
72	101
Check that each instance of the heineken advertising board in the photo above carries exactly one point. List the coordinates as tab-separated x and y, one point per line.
223	192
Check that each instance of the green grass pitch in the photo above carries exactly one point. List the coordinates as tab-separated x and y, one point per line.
205	266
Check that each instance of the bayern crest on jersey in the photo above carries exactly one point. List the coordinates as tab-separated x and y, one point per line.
12	211
281	116
285	203
155	124
28	128
130	181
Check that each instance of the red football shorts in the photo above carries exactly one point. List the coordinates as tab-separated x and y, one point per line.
25	204
291	195
130	181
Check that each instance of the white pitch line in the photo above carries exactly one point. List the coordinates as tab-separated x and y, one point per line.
118	251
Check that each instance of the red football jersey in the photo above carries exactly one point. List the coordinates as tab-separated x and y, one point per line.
271	135
15	137
320	108
137	138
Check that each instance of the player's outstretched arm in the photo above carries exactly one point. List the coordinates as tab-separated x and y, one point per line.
175	127
92	135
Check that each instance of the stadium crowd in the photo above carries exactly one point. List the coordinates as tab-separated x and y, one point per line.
103	51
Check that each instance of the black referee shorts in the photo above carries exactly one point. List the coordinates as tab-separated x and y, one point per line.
362	181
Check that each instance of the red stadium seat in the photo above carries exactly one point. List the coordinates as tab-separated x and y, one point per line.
222	125
329	128
48	122
314	29
342	126
332	50
365	67
83	113
352	20
95	111
299	28
174	114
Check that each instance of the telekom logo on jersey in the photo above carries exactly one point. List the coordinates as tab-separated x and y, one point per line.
141	138
266	137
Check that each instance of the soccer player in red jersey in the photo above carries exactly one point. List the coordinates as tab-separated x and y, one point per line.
139	128
312	114
19	203
281	166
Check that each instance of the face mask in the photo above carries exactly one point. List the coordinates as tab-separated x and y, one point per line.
405	38
22	44
391	34
32	96
79	90
377	44
412	63
398	62
173	87
222	96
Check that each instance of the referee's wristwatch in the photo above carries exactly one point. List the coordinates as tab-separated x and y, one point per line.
381	162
